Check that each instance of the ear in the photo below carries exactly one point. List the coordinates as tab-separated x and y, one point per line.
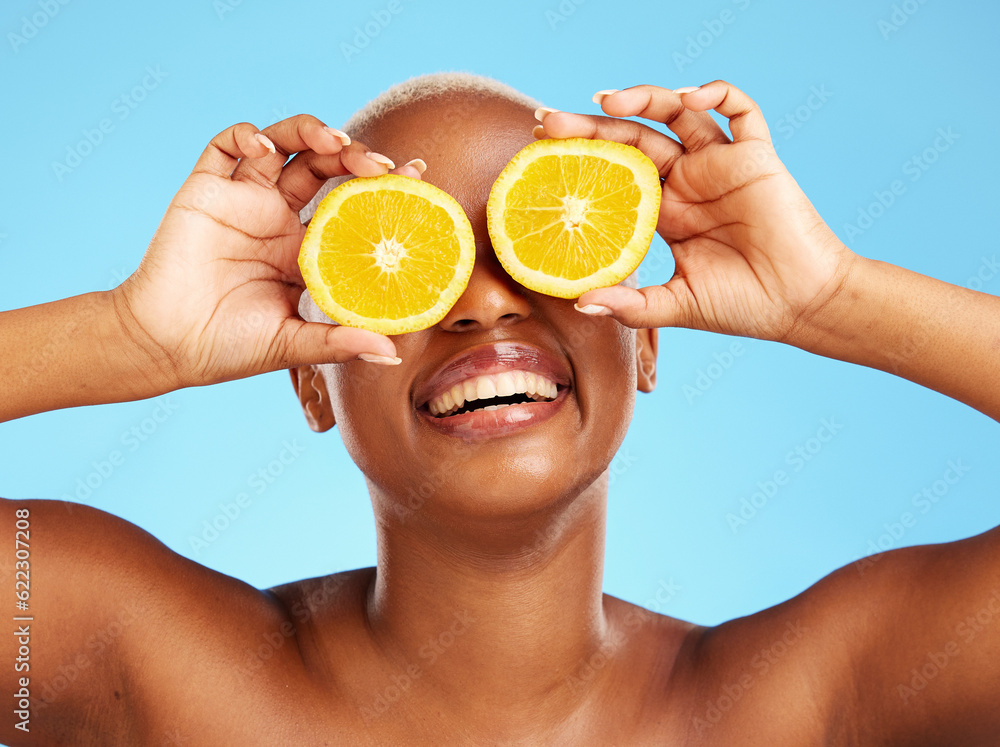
310	386
646	341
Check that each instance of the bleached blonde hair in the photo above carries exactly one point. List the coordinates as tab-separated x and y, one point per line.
417	89
402	94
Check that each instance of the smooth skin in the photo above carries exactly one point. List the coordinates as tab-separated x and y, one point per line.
484	621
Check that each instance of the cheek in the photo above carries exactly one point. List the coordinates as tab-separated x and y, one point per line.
365	421
604	350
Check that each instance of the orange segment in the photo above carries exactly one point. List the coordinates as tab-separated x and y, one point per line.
389	254
567	216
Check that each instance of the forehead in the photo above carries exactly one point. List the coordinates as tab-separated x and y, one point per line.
466	139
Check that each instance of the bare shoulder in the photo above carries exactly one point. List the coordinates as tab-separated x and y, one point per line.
336	593
873	653
117	620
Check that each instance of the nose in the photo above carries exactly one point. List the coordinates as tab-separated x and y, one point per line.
491	299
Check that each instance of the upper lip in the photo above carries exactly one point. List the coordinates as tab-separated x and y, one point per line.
491	358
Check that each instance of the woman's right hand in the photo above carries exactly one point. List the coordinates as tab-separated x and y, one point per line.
216	294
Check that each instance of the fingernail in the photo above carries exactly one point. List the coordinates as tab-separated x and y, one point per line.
379	158
541	111
593	309
343	137
538	131
418	164
382	360
598	97
263	140
687	89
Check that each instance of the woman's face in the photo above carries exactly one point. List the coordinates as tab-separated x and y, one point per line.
507	462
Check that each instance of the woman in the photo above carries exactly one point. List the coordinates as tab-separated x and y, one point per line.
484	621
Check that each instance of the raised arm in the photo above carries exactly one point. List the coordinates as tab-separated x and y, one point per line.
754	258
216	294
919	627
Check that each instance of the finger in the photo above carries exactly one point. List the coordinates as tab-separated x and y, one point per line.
746	121
414	169
662	150
695	129
653	306
308	343
301	179
298	133
226	148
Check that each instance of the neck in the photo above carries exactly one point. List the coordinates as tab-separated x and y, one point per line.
505	627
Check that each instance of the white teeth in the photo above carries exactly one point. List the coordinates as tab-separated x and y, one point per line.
519	383
485	388
504	384
458	395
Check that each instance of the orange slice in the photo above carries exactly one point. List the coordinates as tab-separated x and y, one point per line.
568	216
389	254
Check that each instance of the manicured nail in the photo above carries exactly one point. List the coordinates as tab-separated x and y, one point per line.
382	360
541	111
593	309
539	132
379	158
418	164
598	97
263	140
343	137
687	89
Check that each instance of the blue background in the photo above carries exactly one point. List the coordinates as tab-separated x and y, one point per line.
884	92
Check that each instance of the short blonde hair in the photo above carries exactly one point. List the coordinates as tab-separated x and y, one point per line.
417	89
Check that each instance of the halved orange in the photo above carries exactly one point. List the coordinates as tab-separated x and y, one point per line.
389	254
568	216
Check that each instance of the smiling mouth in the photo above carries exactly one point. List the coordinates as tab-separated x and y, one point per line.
493	392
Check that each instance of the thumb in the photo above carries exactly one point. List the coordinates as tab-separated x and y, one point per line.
308	343
653	306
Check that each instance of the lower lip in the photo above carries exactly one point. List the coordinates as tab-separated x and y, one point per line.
485	424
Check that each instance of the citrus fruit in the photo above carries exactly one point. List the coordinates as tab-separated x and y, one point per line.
388	253
568	216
